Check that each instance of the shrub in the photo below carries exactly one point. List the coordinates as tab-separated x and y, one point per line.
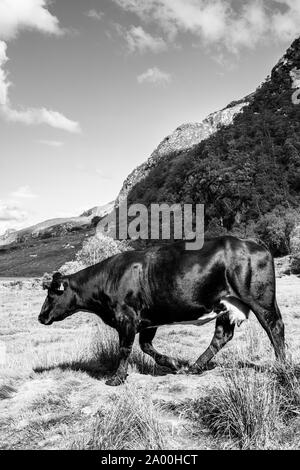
6	391
295	264
71	267
94	250
275	229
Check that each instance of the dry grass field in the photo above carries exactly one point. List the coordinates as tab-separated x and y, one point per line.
53	393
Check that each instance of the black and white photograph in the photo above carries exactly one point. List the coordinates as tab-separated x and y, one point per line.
149	228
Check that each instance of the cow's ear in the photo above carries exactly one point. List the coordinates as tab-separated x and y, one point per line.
57	277
56	281
46	281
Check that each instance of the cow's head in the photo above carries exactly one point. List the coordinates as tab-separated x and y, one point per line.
60	302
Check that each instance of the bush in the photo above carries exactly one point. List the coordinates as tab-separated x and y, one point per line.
275	229
295	264
94	250
295	239
98	248
71	267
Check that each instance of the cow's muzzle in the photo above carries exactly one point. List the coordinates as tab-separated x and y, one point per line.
44	320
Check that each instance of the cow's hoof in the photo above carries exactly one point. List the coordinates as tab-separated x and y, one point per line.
115	381
183	364
182	371
183	367
177	365
196	370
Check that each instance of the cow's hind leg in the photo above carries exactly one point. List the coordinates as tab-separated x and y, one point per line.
256	288
223	333
271	320
146	338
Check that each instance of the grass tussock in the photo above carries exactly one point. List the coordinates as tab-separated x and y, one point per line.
130	423
287	376
244	409
7	391
251	407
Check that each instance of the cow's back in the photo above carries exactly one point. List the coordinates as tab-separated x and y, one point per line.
169	284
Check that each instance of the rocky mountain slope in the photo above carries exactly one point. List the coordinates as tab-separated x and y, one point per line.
183	138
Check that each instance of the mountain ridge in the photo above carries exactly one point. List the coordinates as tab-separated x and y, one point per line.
184	137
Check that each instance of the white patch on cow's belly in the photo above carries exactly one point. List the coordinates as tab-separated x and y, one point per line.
201	320
238	312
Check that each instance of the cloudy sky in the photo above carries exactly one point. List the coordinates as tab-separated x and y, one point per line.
89	88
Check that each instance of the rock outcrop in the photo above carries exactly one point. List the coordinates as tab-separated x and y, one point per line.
183	138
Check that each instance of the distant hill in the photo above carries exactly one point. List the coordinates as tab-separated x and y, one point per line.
46	246
55	227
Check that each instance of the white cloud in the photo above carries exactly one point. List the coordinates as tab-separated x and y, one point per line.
16	15
35	116
4	84
10	212
155	76
228	23
51	143
12	216
24	192
138	40
96	15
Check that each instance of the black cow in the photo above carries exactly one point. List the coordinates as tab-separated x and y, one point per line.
137	291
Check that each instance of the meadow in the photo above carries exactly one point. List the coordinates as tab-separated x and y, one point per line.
53	393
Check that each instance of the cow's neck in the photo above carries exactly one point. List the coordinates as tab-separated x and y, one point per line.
92	299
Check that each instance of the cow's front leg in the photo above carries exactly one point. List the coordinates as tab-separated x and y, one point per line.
127	330
223	333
